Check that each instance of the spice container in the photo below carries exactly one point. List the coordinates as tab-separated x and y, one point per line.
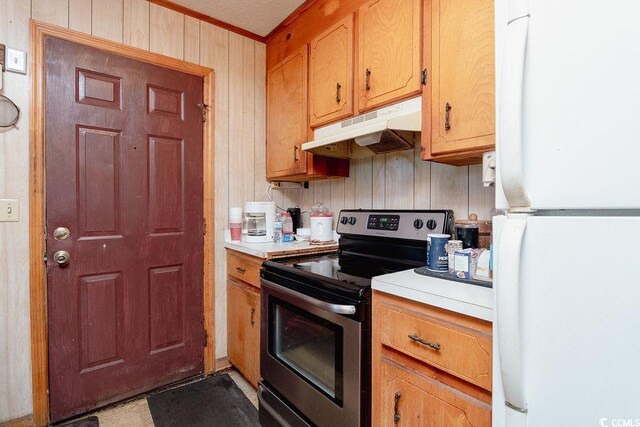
452	247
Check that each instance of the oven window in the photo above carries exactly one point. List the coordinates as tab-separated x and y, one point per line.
310	346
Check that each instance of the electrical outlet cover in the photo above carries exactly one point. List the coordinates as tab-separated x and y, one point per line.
16	61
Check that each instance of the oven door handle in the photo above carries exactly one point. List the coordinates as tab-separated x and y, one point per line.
327	306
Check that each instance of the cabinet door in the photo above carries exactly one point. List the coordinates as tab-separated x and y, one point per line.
410	399
463	76
243	330
331	74
287	116
389	46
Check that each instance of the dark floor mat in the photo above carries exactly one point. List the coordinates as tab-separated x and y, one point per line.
214	401
84	422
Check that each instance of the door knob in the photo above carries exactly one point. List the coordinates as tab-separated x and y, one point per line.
62	258
61	233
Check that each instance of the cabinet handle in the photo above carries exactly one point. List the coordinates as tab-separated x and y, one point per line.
241	270
295	153
253	315
447	108
416	338
423	80
367	80
396	413
338	86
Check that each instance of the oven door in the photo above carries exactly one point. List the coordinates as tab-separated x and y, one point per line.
310	353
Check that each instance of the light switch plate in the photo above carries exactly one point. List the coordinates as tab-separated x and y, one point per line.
16	61
9	210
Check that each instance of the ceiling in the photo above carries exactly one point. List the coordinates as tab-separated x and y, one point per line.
257	16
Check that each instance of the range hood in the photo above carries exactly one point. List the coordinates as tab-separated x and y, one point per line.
392	128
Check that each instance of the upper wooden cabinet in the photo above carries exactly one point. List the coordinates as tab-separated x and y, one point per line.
389	51
287	116
331	74
461	81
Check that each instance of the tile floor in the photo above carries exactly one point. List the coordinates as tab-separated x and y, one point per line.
136	413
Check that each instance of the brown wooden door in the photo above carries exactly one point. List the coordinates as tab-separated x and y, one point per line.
331	74
287	116
462	76
389	46
124	175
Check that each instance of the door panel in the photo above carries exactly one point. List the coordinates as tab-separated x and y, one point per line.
287	116
99	175
124	175
574	309
331	74
389	48
101	314
166	185
463	76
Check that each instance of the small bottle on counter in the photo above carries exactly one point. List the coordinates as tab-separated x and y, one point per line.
277	230
287	227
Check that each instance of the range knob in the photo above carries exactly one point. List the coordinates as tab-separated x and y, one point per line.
432	224
352	220
418	223
344	220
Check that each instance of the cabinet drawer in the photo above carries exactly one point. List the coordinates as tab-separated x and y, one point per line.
411	399
244	268
455	348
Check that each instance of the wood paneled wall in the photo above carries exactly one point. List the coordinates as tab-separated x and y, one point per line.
239	145
399	181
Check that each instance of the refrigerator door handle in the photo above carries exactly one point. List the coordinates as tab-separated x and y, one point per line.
511	99
508	311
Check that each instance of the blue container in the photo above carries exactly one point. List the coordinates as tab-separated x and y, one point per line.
437	258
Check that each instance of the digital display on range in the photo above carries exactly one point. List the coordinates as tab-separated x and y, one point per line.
383	222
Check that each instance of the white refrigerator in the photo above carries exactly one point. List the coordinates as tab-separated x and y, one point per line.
567	252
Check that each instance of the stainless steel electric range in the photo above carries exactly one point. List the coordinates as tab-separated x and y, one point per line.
315	349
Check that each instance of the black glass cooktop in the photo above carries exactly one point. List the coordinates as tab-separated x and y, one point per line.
343	275
340	268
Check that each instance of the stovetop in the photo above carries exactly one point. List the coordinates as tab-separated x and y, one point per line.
366	250
340	275
343	268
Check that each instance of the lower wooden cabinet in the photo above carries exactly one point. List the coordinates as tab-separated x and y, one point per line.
431	367
410	398
243	314
243	330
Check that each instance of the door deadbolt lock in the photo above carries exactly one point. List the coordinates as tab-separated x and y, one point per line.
62	258
61	233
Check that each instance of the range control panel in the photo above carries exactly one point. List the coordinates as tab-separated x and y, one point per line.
411	225
383	222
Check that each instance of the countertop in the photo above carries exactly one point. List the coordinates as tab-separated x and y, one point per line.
279	250
464	298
